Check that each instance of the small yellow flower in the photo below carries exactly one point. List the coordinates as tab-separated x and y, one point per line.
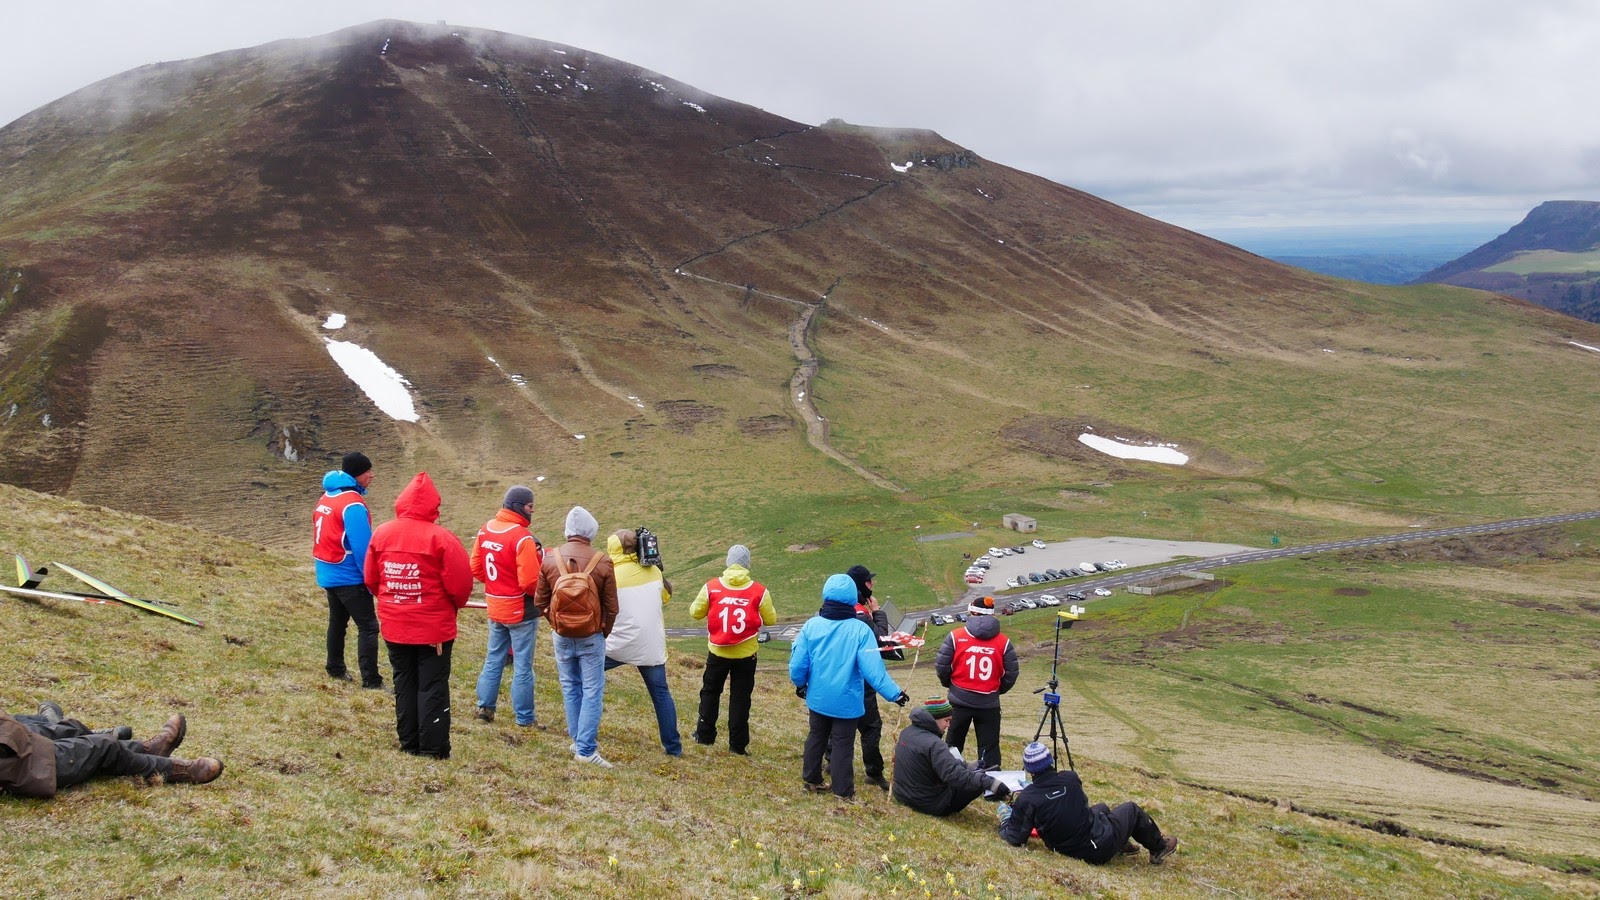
796	884
989	887
734	844
951	879
884	857
891	837
612	861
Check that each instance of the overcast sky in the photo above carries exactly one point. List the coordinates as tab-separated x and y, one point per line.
1211	114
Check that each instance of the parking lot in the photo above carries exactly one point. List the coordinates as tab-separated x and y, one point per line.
1072	553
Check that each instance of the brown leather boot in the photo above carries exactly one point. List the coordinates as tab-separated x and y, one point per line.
168	739
195	771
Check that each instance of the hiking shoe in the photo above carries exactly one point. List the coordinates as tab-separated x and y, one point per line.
374	685
535	724
817	787
484	714
741	751
195	771
342	676
51	711
168	738
594	758
878	780
1169	846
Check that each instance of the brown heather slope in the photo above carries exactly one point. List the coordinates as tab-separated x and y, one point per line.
636	251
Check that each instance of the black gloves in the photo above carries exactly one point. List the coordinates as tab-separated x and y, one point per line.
903	699
999	790
800	692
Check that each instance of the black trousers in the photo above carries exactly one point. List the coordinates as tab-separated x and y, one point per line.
839	737
346	602
987	722
89	755
422	697
740	676
1131	821
870	725
951	801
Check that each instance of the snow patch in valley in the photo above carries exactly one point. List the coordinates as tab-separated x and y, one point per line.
335	321
1159	453
386	388
1584	346
902	169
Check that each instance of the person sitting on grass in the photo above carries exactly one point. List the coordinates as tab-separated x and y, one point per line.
40	755
1056	806
929	775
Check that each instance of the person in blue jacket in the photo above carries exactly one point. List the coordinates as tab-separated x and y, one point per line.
833	656
340	531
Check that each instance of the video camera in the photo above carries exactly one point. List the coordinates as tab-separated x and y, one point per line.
649	548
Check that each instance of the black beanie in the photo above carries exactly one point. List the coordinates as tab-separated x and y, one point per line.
861	575
355	464
518	497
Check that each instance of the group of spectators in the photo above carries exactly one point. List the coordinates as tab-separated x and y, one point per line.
605	610
406	580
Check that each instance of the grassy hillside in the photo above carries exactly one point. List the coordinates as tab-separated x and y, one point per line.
548	243
316	801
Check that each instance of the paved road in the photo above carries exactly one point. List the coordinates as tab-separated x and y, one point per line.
788	631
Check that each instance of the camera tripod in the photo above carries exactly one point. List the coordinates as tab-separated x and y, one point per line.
1052	700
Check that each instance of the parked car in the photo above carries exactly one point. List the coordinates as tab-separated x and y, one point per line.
1076	597
1038	543
1102	592
1029	604
1019	549
1035	577
961	617
1073	573
974	579
1049	600
1015	581
995	552
1087	567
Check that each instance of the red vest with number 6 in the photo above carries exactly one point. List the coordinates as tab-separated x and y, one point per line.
502	586
327	526
976	665
733	616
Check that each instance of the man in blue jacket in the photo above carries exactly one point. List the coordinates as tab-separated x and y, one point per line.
833	656
340	531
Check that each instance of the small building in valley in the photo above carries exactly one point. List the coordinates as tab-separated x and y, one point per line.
1019	522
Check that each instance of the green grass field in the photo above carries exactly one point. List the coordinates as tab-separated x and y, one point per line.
1533	262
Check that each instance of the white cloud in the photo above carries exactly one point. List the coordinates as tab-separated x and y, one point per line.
1230	112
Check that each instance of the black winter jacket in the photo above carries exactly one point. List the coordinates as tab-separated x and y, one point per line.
1056	805
926	774
983	628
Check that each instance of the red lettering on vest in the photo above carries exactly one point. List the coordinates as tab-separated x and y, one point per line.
977	665
733	615
327	526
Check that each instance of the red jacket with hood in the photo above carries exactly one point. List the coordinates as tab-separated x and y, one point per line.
417	570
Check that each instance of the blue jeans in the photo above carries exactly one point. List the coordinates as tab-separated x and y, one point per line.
580	662
520	639
655	681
